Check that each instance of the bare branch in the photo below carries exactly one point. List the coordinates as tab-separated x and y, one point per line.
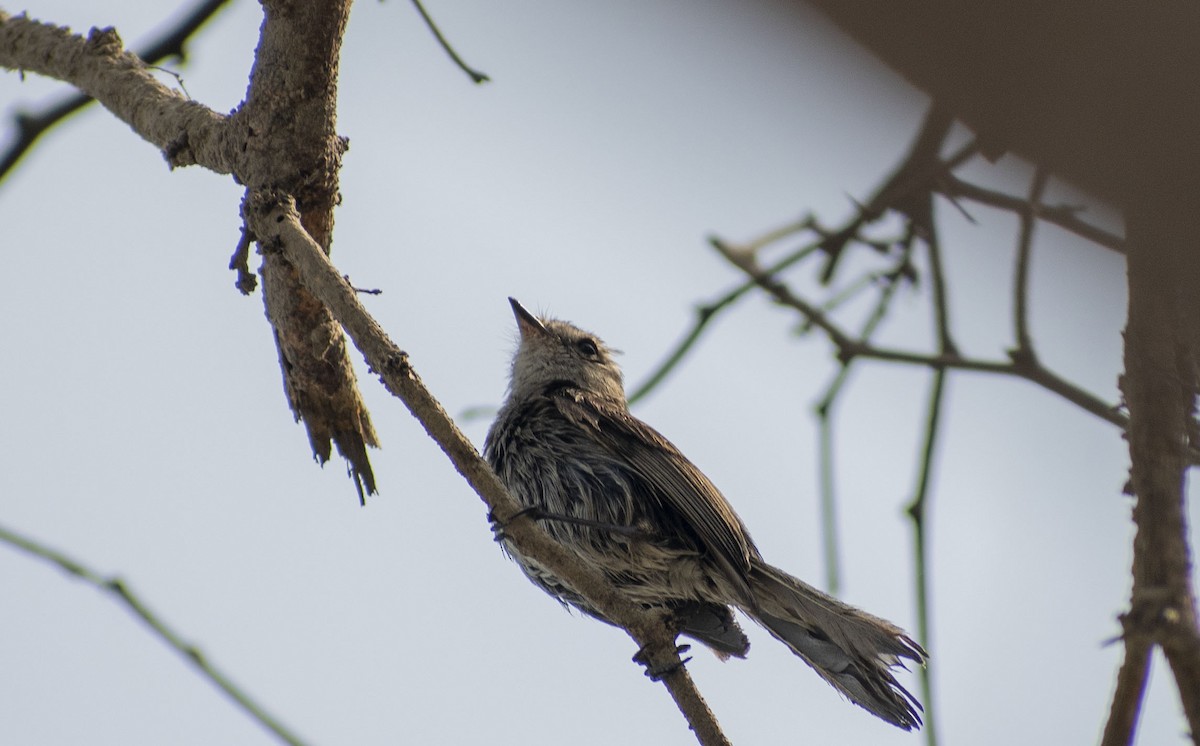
911	178
121	591
188	132
30	127
917	511
1029	219
918	507
706	312
1161	381
848	347
1064	216
476	76
290	108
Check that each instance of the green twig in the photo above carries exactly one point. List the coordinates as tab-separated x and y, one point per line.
116	587
916	511
475	75
1029	220
830	536
707	312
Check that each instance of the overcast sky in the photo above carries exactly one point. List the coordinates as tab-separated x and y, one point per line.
143	426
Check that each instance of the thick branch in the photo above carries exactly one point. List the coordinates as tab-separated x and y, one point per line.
30	127
187	132
276	223
289	125
1162	341
282	137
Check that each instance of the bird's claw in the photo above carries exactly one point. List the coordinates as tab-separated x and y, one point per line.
498	525
658	673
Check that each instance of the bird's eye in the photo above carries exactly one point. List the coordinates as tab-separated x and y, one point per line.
587	347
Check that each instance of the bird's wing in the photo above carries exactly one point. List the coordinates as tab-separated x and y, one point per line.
680	488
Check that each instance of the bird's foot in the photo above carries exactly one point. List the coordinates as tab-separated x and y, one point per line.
498	525
537	514
658	673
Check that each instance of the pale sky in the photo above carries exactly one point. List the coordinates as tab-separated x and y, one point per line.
145	431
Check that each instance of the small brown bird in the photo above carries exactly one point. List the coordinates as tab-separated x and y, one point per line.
612	490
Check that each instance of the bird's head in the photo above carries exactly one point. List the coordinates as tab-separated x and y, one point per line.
552	351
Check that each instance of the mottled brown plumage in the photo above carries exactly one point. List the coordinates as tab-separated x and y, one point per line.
620	496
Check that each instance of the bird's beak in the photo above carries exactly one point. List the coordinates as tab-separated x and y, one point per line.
528	324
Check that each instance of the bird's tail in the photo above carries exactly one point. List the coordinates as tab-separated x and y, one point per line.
850	649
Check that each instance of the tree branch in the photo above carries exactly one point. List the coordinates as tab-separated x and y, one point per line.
30	127
1064	216
120	590
1160	384
706	312
475	76
187	132
848	347
292	144
275	222
917	511
1029	218
906	189
282	135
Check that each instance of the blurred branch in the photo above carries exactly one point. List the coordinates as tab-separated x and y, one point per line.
830	536
31	126
476	76
1024	249
917	510
274	221
849	347
941	312
914	176
119	590
909	180
706	312
1064	216
1132	678
1160	385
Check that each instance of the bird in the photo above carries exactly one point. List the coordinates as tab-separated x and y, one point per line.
624	500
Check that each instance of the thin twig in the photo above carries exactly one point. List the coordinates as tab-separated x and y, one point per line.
1029	218
1064	216
364	291
240	262
827	487
848	347
120	590
941	310
920	167
476	76
706	312
830	536
916	511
